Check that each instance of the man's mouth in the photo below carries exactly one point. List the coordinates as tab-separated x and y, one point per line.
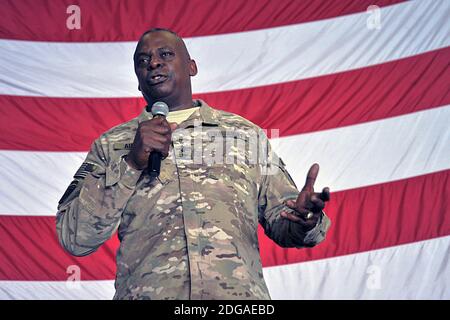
156	79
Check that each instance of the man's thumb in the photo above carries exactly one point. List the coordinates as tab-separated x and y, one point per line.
173	125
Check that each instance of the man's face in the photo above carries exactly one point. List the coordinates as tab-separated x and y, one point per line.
164	68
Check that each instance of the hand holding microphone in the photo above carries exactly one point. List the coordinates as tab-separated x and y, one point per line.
152	141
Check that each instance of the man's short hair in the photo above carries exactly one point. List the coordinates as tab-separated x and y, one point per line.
158	30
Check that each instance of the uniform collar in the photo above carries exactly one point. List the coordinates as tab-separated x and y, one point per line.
206	114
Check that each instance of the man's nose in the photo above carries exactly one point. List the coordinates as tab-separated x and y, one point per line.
155	63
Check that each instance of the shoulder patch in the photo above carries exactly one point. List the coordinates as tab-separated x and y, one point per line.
84	169
81	173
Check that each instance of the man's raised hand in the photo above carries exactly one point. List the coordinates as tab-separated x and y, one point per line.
309	204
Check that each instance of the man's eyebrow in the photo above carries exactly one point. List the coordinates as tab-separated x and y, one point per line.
146	54
143	52
166	48
138	54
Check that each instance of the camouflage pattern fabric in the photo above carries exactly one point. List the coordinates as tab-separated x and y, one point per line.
192	232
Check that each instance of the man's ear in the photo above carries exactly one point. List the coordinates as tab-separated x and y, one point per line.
192	68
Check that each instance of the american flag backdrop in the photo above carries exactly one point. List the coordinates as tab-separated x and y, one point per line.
360	87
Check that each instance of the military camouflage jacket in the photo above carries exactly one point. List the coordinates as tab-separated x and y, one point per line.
192	232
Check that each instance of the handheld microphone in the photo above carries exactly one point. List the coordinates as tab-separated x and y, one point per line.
159	109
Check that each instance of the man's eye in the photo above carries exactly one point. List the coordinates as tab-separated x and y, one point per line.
143	61
167	54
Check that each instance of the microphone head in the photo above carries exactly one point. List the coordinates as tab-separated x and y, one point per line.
160	108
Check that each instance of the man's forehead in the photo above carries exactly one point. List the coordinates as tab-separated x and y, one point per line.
158	39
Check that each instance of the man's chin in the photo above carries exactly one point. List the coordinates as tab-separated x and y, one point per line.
156	94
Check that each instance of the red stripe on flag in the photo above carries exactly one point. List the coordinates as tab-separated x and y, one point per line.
30	251
110	20
348	98
363	219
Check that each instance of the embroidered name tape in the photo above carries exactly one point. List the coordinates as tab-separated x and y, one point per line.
122	146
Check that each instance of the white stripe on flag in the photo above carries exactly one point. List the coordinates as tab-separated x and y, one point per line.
57	290
350	157
231	61
371	153
411	271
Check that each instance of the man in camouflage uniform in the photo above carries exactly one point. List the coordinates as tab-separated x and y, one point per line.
191	233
